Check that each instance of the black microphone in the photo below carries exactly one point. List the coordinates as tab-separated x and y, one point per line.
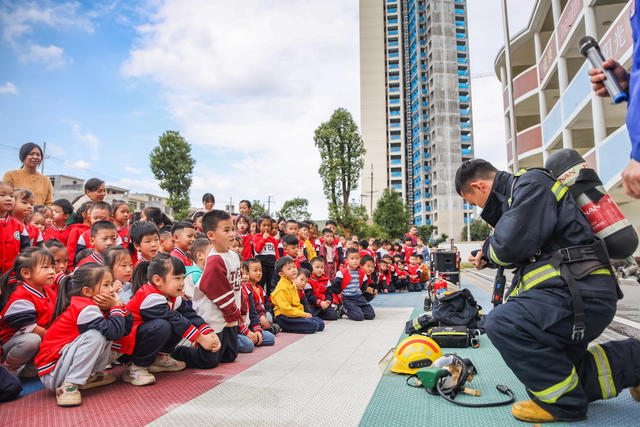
589	48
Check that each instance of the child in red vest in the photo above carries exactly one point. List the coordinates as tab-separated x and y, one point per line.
61	210
348	286
23	209
13	236
184	233
319	293
82	223
121	214
89	316
414	274
242	230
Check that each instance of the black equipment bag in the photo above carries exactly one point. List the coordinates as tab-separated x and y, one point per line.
451	336
458	308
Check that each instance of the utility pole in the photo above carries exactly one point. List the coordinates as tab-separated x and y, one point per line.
512	113
44	155
269	205
371	194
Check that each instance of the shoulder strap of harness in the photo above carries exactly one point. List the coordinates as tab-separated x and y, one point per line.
521	172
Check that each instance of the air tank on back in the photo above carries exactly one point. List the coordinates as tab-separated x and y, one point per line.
605	217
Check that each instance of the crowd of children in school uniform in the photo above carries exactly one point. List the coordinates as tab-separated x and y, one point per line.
82	291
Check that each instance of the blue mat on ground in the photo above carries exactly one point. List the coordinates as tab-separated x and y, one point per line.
30	385
394	402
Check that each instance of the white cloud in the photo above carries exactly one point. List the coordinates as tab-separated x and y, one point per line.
256	78
51	56
130	169
78	164
19	18
140	186
9	87
92	141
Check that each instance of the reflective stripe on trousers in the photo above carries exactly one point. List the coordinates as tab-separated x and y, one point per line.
556	391
604	371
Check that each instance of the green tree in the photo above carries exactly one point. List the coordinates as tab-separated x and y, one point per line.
391	214
296	208
479	229
342	158
425	232
257	209
172	165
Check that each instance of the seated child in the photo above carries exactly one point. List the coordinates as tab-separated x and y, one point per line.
22	209
328	250
236	246
264	247
88	317
81	223
118	259
319	292
424	271
184	233
13	235
407	249
61	210
290	227
386	277
218	295
242	231
199	251
414	274
348	286
60	258
167	244
145	241
302	278
250	333
103	235
292	249
288	310
121	211
37	220
252	270
368	265
28	309
101	211
305	244
161	319
402	273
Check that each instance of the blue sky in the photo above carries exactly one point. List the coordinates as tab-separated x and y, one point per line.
245	82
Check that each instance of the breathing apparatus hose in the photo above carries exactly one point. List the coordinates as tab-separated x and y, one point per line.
501	388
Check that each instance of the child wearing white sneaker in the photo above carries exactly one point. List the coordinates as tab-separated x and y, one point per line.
161	320
89	315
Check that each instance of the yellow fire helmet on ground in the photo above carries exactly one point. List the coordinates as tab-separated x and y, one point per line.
413	353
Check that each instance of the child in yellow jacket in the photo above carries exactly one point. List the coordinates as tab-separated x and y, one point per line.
288	310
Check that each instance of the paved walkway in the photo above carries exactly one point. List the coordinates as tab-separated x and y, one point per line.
328	378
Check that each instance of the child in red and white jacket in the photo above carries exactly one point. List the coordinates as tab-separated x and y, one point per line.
23	209
61	210
252	273
265	249
161	320
319	292
13	236
242	230
76	348
30	301
250	333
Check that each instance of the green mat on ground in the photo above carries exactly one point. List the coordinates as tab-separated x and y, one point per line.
395	403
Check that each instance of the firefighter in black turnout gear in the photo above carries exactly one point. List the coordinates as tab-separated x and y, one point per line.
562	297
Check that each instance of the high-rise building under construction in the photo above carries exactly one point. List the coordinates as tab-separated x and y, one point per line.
415	96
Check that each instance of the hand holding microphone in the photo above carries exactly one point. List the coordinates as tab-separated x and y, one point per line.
608	77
